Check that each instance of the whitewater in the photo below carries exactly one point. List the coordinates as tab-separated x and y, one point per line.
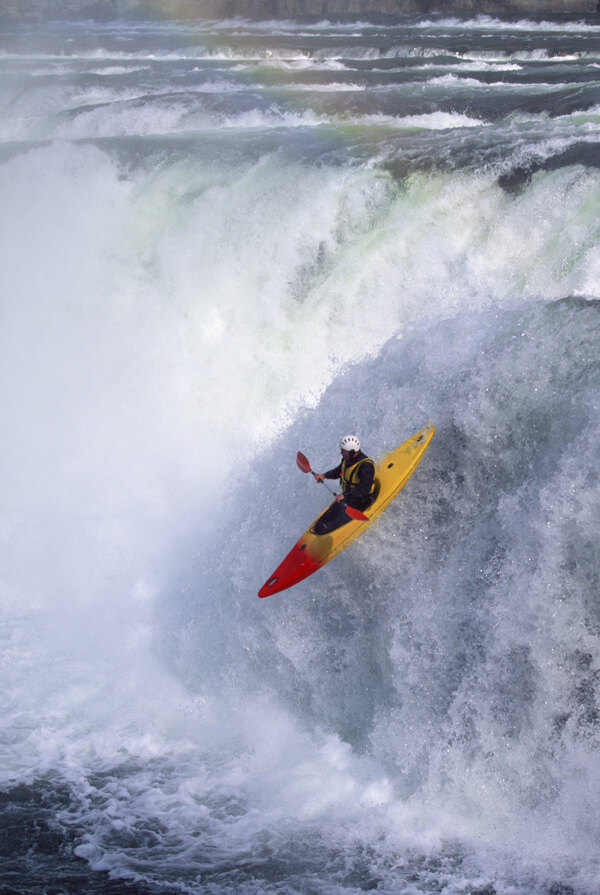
224	242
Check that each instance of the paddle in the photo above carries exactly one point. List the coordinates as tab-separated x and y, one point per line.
304	465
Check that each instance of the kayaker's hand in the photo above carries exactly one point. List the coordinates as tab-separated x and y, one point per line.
319	477
339	497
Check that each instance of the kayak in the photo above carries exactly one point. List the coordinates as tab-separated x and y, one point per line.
313	551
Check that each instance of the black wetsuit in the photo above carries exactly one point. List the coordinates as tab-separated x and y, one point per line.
358	495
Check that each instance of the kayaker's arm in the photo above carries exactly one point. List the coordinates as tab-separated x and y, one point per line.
330	474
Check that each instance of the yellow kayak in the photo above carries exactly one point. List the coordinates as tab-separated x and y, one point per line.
312	551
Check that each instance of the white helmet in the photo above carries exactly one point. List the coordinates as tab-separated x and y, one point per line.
350	443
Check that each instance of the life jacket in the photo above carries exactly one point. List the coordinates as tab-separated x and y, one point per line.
349	475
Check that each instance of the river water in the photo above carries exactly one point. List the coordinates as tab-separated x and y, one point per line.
222	242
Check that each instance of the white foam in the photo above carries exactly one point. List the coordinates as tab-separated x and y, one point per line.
431	121
174	331
484	23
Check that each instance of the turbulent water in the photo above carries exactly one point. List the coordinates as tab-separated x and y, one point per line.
224	242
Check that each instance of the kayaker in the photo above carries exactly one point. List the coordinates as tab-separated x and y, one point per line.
356	472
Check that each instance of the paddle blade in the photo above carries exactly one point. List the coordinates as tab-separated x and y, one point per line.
356	514
302	463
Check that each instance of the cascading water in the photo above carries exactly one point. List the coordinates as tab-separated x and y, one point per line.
223	242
